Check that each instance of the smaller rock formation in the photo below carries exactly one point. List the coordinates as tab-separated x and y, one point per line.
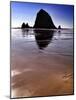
24	25
59	27
27	26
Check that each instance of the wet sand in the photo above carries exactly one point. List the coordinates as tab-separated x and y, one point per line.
39	73
42	75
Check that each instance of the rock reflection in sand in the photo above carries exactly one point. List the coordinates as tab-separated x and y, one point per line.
43	37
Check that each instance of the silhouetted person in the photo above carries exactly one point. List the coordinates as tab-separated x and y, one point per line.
43	38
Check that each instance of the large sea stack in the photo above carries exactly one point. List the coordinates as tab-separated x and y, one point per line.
44	20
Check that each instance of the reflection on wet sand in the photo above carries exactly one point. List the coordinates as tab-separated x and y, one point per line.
24	32
36	73
43	38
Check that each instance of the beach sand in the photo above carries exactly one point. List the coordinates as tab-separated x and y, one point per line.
41	75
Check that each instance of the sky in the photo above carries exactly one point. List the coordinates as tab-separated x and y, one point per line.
26	12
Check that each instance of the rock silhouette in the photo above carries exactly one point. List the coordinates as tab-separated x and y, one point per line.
43	38
59	27
25	25
44	20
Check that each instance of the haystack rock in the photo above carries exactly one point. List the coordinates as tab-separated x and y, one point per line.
44	20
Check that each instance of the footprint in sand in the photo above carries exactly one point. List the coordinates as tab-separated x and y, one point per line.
67	76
